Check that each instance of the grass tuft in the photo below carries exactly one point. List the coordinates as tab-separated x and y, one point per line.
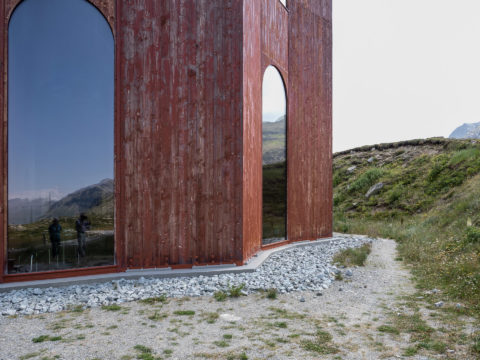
272	293
235	291
353	256
220	295
184	312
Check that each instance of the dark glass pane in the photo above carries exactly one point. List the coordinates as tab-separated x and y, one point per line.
60	137
274	151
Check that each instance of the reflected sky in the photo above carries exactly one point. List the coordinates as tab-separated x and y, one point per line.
61	97
273	95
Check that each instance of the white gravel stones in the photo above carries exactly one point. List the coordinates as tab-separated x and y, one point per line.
230	318
305	268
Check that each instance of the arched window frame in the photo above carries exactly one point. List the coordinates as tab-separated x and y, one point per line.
285	88
107	9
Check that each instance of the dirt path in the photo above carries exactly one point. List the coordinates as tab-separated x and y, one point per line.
353	319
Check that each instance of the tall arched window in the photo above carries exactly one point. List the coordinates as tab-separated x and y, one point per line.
60	137
274	156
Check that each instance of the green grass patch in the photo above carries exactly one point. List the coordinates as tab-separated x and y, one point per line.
41	338
315	346
30	355
272	293
221	343
388	329
154	300
235	291
113	307
220	295
321	345
366	180
157	316
184	312
410	351
210	317
354	256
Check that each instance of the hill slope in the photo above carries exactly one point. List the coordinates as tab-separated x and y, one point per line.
428	201
274	141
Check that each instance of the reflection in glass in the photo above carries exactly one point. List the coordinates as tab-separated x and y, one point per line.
274	151
60	137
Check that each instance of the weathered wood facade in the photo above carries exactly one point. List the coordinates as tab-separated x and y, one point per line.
188	133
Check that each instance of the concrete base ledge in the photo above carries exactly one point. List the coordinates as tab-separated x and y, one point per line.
208	270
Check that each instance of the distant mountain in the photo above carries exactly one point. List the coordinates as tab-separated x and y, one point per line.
466	131
94	199
25	211
274	141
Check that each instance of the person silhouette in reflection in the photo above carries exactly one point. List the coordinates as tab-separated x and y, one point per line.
82	225
54	230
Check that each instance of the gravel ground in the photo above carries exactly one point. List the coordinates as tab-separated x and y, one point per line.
346	315
296	269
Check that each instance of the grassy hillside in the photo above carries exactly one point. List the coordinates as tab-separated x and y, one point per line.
274	141
429	203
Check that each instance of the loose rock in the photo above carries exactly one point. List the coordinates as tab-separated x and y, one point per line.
307	268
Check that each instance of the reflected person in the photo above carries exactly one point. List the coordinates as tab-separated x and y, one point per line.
54	230
82	225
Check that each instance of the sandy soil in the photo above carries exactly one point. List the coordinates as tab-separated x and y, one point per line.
350	311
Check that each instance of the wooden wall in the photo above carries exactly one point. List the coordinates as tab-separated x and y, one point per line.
180	93
252	128
310	119
3	147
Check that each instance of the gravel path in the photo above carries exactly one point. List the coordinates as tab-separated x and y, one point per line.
296	269
346	315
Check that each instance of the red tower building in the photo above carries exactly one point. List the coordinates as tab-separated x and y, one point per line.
188	127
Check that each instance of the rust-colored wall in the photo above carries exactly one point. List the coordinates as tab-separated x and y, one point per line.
181	109
310	120
275	36
252	128
3	155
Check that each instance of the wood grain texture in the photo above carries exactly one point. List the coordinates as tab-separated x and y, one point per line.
310	120
275	36
252	128
3	146
181	107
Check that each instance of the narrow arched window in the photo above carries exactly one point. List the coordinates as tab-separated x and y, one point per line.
60	137
274	156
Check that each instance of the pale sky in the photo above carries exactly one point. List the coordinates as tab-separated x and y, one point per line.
273	95
404	69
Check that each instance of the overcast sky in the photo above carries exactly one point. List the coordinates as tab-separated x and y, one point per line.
404	69
274	101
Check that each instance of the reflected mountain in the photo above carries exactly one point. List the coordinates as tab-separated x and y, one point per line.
97	199
94	199
25	211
